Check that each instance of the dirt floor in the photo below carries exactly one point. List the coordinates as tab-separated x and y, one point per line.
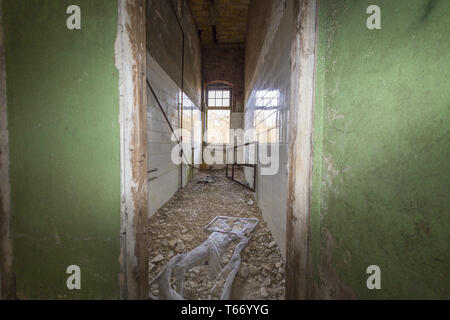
179	227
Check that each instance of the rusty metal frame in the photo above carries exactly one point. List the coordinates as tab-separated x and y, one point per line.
234	164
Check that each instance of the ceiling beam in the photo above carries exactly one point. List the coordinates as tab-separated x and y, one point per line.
212	19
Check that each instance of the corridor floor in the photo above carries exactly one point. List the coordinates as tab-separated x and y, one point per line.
179	227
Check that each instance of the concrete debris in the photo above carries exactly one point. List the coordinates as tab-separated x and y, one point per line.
157	259
191	209
253	270
266	266
225	231
206	180
264	292
266	281
172	243
244	272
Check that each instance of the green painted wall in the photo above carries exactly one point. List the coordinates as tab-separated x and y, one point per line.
64	143
381	150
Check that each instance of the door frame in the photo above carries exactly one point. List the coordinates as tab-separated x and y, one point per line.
303	64
131	64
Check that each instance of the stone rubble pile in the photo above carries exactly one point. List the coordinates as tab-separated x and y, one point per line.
179	227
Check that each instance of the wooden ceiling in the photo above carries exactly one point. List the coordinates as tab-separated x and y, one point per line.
228	16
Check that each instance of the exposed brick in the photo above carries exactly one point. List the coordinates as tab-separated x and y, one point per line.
223	63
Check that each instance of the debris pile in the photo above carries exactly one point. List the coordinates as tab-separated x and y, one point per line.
206	179
178	227
225	230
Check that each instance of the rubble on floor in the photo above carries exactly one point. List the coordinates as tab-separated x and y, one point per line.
206	179
179	227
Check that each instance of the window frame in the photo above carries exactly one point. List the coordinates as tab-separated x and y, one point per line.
208	107
219	88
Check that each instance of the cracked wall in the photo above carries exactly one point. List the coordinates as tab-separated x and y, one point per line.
380	186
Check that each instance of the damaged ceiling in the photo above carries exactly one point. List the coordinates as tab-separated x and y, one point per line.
221	21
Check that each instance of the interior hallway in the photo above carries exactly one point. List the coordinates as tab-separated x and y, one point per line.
354	117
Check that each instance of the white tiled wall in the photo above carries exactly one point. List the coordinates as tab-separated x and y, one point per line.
164	177
267	113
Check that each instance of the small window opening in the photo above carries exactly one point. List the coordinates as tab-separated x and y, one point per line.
219	98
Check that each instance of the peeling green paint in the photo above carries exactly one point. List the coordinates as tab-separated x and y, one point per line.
381	133
64	147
